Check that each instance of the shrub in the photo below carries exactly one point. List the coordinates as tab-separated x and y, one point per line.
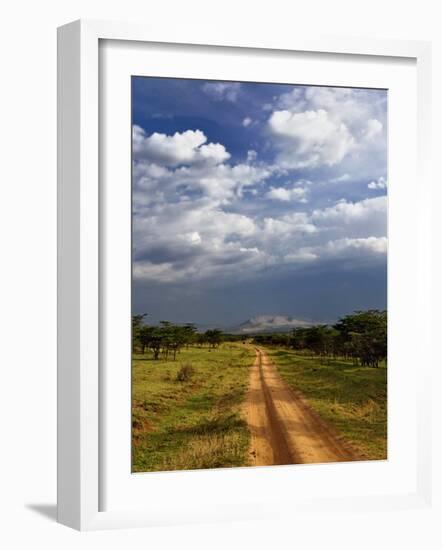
185	373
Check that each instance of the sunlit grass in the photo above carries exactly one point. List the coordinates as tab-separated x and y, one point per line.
192	423
351	398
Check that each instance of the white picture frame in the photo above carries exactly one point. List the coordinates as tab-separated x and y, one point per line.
79	274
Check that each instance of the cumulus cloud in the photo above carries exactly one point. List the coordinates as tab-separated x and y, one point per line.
222	91
198	240
346	212
194	237
178	166
375	245
295	194
201	215
380	183
352	106
311	138
191	241
374	128
181	148
355	250
288	226
319	126
221	183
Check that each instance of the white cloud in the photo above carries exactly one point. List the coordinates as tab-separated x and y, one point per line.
356	250
198	240
220	91
191	221
380	183
374	128
311	138
345	212
251	155
194	237
296	194
352	106
247	121
181	148
191	242
219	182
311	127
376	245
214	152
291	99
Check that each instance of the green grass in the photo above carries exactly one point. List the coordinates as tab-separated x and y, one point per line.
351	398
195	423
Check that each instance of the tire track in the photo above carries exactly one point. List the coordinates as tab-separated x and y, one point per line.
284	429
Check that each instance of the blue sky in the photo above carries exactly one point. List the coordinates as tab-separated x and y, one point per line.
257	199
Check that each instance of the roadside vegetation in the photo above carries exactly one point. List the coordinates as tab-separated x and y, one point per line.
167	339
360	337
187	391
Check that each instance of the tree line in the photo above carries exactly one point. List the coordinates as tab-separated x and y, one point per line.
167	339
361	336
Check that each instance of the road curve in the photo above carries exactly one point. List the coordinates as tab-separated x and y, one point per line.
284	429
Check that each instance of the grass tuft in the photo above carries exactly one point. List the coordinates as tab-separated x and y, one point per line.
185	373
208	451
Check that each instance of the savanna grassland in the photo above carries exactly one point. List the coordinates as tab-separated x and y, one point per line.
315	394
186	413
350	397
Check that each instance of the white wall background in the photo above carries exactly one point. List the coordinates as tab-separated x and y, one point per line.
28	260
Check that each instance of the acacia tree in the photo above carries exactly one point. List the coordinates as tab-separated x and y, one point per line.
144	335
169	338
213	337
179	336
190	334
297	338
155	342
363	335
200	339
149	338
137	326
165	333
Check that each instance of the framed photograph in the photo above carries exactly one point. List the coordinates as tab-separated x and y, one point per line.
241	249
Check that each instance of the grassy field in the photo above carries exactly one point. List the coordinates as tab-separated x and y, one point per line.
190	421
351	398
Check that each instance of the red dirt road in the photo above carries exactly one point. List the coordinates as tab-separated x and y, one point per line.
284	429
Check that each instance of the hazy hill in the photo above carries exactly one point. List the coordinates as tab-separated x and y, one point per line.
269	323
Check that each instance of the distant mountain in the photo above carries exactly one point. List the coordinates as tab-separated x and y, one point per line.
269	323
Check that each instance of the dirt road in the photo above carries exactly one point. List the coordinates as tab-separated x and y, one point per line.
284	429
